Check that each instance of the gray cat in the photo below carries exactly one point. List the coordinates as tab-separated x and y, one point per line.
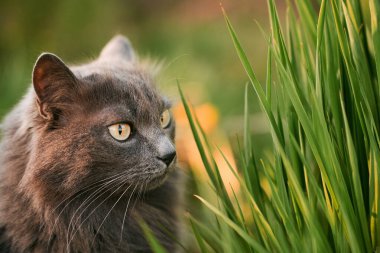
86	156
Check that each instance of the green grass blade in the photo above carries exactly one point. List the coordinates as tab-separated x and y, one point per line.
153	242
254	81
234	226
374	6
209	234
359	202
199	238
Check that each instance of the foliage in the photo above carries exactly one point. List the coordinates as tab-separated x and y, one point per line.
319	189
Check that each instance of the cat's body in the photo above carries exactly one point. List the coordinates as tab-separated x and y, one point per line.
66	184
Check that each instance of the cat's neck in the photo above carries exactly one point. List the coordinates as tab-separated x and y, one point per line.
113	222
109	222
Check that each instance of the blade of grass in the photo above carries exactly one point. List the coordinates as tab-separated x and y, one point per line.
233	225
199	238
153	242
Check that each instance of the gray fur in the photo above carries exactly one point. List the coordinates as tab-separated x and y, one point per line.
65	183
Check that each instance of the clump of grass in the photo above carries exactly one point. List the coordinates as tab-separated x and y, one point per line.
322	100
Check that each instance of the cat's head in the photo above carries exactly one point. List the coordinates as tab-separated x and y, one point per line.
99	125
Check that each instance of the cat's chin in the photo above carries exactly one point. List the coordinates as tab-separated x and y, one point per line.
156	182
159	178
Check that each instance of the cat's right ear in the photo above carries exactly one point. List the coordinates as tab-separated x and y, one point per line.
53	82
118	48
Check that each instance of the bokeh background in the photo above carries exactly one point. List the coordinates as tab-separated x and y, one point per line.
189	38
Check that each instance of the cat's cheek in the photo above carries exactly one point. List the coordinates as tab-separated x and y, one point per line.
77	176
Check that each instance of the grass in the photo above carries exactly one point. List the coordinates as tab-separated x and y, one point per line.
318	191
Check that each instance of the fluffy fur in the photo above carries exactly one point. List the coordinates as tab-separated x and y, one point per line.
66	185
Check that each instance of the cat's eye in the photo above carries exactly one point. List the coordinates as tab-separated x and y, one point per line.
165	119
120	131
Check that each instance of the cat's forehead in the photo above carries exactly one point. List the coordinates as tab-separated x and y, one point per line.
131	89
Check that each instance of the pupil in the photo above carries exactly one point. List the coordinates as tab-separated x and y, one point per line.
120	129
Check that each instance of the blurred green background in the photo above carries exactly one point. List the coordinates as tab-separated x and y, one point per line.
189	36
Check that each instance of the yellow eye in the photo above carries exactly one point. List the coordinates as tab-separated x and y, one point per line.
165	119
120	131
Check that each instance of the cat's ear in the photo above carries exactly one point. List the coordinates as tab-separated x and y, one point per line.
53	83
118	48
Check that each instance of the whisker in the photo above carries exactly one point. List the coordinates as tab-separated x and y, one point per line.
109	213
92	198
144	191
125	214
81	192
72	228
72	237
138	195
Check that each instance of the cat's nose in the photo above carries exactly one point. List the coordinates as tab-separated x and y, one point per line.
165	150
168	158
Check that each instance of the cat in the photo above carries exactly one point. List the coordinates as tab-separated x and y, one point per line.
87	156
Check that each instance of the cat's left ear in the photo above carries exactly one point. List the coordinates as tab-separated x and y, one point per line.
118	48
54	84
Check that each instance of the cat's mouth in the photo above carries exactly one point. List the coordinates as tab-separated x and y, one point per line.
159	176
150	178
